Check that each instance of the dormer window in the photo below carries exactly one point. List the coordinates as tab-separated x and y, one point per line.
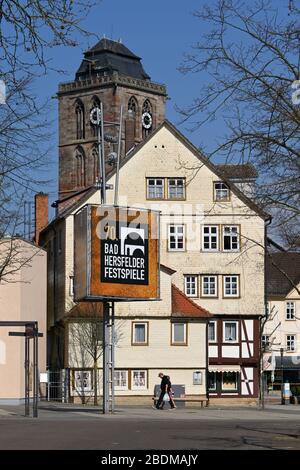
221	192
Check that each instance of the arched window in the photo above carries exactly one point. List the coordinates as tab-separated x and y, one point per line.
96	103
79	111
80	168
146	121
95	163
132	106
132	113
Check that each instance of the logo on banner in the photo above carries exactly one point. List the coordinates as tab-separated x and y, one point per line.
124	255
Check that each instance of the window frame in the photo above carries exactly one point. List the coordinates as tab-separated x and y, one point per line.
185	341
265	344
230	390
134	387
212	390
156	178
133	339
211	296
196	276
215	192
120	387
288	347
293	318
90	388
210	250
212	341
183	237
228	341
238	236
168	188
231	296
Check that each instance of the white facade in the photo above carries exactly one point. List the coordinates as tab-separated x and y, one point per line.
215	247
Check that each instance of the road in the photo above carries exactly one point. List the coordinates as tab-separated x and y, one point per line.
64	427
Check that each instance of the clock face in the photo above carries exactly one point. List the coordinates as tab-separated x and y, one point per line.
95	116
146	120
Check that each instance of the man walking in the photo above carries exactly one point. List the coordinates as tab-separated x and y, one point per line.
165	387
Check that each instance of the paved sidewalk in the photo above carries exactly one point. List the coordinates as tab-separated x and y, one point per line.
61	426
62	411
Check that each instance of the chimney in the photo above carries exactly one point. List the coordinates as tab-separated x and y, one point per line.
41	214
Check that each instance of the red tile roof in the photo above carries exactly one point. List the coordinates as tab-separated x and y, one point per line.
183	306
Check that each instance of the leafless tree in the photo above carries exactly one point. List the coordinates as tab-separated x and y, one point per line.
248	61
29	33
86	342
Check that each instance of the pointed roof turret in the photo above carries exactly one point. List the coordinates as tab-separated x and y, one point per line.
107	57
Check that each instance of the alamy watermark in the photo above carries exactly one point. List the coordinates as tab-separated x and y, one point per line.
296	94
2	92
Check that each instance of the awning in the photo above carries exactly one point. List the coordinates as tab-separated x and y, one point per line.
288	362
224	368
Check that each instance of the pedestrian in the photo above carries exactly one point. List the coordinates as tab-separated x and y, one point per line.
165	387
170	393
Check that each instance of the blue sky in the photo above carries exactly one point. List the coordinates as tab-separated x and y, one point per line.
160	32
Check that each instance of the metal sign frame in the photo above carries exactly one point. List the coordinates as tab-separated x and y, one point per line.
31	332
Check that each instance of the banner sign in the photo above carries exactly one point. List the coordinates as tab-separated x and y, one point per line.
116	253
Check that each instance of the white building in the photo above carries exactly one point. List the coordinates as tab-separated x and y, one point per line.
281	335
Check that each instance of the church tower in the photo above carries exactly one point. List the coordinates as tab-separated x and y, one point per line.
109	73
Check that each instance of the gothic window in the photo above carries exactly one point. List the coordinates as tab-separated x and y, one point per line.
95	163
96	103
146	118
80	168
132	112
79	111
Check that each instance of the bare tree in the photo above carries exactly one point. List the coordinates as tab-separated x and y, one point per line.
29	32
86	342
249	61
86	345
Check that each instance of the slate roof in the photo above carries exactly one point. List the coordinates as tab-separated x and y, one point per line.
238	172
283	271
111	56
184	307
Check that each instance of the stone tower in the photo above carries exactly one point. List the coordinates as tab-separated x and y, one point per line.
109	73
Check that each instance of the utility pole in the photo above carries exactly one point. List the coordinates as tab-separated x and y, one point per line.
97	118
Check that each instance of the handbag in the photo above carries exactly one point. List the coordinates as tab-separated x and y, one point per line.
166	397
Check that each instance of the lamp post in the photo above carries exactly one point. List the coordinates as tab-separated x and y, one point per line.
281	365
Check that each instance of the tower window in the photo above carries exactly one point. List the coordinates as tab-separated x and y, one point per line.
80	168
79	110
132	107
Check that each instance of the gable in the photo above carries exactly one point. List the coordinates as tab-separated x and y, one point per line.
167	153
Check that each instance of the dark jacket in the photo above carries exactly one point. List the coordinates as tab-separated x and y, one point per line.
165	382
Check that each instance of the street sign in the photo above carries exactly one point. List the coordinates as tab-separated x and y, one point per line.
28	335
116	253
